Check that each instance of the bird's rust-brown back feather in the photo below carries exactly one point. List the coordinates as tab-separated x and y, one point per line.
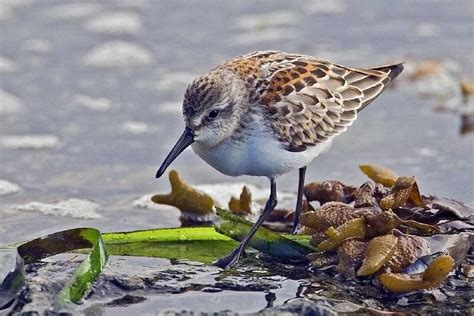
308	101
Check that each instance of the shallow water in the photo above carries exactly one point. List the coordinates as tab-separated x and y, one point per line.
100	100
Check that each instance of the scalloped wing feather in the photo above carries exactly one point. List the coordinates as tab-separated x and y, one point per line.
309	101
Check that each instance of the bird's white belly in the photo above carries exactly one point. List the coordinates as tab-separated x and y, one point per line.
257	155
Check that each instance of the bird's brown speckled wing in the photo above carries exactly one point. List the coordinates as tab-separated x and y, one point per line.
309	101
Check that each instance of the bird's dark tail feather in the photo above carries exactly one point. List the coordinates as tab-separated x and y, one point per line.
393	71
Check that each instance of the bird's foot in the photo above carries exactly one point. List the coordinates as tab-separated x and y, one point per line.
229	260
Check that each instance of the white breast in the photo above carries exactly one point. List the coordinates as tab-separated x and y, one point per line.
259	153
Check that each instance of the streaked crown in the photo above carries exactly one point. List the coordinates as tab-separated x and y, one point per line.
213	105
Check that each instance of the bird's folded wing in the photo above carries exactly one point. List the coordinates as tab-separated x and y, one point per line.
309	101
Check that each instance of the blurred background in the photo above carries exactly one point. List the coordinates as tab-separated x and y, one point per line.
91	92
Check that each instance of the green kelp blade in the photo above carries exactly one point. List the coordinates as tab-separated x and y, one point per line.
87	272
56	243
266	241
303	240
205	251
53	244
201	244
165	234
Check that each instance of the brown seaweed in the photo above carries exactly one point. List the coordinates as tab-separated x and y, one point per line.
433	277
186	198
328	191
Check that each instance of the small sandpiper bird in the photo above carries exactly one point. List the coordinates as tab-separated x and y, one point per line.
270	112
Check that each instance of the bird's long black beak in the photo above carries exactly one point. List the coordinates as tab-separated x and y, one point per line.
186	139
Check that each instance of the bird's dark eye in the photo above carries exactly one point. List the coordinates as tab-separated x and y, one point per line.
213	114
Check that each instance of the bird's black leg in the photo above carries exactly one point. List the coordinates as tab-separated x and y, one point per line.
299	200
233	257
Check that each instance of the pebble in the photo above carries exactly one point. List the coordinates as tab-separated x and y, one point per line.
29	141
7	187
118	54
76	208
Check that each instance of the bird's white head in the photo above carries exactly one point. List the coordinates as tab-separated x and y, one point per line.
213	107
